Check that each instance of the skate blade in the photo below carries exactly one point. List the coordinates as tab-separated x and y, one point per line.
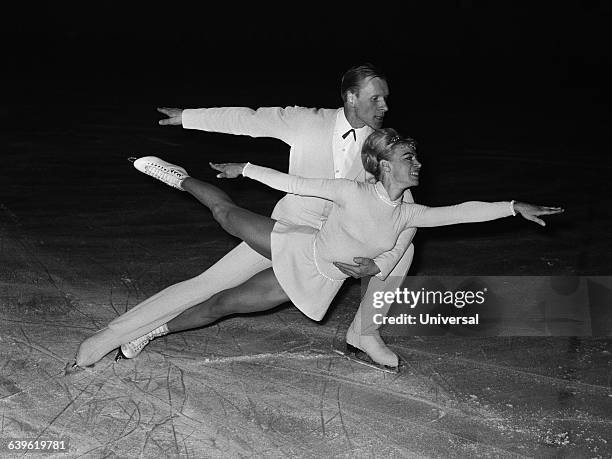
119	356
72	368
352	354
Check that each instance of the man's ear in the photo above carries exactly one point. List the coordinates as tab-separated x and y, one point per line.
351	98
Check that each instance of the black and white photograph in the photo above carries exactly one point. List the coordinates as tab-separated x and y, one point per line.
343	230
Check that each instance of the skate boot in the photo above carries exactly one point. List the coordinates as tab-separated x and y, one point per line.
168	173
369	349
135	347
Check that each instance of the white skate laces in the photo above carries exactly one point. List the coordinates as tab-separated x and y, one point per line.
161	170
135	347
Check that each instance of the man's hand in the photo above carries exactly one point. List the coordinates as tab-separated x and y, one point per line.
228	170
364	267
175	116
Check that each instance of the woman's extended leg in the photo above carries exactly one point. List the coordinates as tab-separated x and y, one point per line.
252	228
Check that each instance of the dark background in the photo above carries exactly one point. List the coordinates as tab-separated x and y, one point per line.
505	100
491	57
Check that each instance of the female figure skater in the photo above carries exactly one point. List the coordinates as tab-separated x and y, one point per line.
366	220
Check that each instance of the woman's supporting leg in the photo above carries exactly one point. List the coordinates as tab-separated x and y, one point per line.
252	228
259	293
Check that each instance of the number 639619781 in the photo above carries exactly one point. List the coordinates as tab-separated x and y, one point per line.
62	445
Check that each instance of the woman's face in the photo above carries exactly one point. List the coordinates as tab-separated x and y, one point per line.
404	165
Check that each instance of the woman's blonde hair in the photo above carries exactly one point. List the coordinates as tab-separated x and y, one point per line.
378	146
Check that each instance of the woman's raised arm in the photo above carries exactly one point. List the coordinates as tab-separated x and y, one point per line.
330	189
475	211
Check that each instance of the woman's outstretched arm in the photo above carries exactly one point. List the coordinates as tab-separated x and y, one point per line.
330	189
475	211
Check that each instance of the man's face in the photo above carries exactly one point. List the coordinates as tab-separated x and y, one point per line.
370	103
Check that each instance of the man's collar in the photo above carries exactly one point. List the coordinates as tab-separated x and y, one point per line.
342	124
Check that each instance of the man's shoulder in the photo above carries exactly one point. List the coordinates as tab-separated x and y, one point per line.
322	113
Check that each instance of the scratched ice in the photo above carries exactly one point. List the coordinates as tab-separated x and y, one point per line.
81	244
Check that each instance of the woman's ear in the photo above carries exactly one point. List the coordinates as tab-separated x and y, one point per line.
384	166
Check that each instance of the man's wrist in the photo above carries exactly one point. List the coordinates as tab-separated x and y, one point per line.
513	208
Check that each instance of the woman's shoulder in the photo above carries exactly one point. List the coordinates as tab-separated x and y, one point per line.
351	186
365	186
359	189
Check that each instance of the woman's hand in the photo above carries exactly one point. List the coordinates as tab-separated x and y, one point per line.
531	212
174	116
228	170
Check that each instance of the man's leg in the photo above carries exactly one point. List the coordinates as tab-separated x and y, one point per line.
260	293
233	269
363	332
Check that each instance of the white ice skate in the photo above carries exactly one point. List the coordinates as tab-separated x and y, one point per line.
135	347
157	168
369	350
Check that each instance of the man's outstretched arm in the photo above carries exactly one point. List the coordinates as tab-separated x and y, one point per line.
275	122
